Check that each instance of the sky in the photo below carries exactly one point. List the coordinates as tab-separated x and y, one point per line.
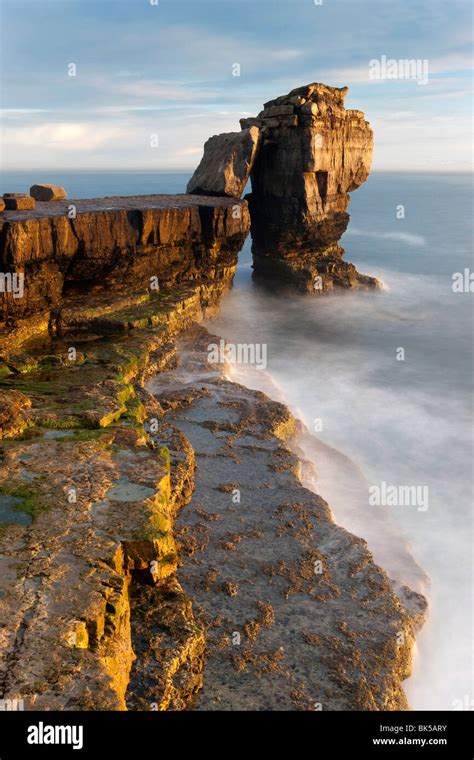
155	78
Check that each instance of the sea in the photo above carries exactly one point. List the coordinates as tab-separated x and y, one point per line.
383	380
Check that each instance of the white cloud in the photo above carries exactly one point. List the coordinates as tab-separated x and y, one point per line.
173	91
285	55
58	137
6	112
189	151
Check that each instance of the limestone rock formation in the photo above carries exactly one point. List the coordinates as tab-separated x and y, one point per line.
304	637
117	243
95	581
133	606
46	192
226	164
313	153
18	201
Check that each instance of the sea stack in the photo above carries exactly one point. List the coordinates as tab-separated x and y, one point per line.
311	153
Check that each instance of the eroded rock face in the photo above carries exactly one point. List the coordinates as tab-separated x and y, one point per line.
313	153
226	164
91	579
116	244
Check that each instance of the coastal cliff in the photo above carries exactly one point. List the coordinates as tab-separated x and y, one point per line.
127	558
126	555
116	244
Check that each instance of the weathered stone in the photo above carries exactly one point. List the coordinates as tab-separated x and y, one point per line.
341	620
297	100
2	204
288	121
272	123
310	108
18	201
308	120
300	184
273	111
45	192
12	406
226	164
250	122
116	244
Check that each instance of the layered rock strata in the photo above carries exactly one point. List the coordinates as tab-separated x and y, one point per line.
313	153
91	479
91	476
115	243
308	153
96	467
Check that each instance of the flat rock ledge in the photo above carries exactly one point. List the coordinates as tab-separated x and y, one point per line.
116	244
145	595
297	614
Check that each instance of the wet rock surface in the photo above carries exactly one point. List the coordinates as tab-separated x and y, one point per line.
88	497
87	504
136	610
298	615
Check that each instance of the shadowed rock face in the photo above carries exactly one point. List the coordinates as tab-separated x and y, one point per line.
313	153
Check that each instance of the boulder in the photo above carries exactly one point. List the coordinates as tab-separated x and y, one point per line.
45	192
226	165
18	201
2	204
273	111
250	122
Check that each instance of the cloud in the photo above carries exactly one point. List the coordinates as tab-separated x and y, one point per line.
189	151
285	55
169	69
166	91
121	142
6	112
60	136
